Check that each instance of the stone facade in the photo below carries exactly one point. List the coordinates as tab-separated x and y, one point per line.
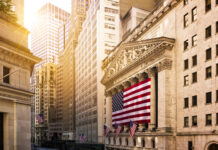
157	49
16	65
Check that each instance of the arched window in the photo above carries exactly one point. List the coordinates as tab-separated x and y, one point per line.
213	147
143	142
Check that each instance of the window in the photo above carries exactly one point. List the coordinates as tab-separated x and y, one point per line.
186	122
208	119
217	49
217	118
216	95
194	121
194	14
194	40
216	26
186	20
194	100
190	145
207	5
208	72
186	80
143	143
6	77
194	77
186	102
208	54
134	142
153	143
216	1
194	60
216	69
208	32
185	64
208	97
185	44
185	2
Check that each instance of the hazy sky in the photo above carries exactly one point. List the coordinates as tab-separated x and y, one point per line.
31	6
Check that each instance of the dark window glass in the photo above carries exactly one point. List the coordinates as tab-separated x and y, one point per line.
194	121
216	1
143	143
134	142
194	60
216	95
208	54
207	5
190	145
127	142
153	143
194	77
208	32
185	2
186	102
185	44
120	140
194	100
217	26
194	40
216	118
216	69
194	14
6	77
186	80
208	119
186	20
217	49
186	124
208	72
185	64
208	97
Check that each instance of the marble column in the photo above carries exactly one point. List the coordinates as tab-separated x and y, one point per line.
126	85
151	75
109	109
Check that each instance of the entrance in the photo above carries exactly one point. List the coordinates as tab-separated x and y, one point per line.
1	131
213	147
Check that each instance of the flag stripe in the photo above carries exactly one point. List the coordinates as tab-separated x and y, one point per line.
136	94
139	96
138	85
132	113
137	90
140	99
126	121
132	116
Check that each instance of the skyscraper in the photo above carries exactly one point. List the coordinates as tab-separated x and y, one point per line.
45	44
100	33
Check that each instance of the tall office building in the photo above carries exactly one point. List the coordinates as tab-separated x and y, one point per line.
44	32
176	47
45	44
100	33
66	68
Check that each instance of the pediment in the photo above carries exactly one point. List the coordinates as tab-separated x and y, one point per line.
129	54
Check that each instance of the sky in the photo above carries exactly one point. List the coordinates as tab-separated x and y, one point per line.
31	6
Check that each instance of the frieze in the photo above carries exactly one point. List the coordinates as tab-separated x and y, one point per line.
133	54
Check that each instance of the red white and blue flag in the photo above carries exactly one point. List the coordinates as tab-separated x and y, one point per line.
133	127
106	130
82	138
118	129
39	118
132	103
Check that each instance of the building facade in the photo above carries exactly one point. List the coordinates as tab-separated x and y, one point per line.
176	47
45	102
16	66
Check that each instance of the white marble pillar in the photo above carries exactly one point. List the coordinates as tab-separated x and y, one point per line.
109	109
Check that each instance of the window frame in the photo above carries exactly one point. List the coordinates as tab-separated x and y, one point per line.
6	75
207	5
186	80
186	102
194	77
186	121
194	41
208	97
185	20
208	32
194	124
208	54
194	99
206	120
194	60
186	64
185	44
194	14
208	74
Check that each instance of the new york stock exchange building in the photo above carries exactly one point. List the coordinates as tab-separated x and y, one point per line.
168	63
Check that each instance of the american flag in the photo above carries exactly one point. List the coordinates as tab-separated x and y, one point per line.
133	127
106	130
39	118
118	129
132	104
82	138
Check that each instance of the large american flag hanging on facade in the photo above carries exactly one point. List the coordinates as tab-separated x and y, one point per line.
132	104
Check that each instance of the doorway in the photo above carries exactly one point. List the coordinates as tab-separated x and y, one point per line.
1	131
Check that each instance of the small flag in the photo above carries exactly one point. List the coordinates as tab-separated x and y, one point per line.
82	138
118	129
39	118
133	127
106	130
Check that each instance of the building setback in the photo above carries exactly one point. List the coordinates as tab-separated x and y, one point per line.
176	47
